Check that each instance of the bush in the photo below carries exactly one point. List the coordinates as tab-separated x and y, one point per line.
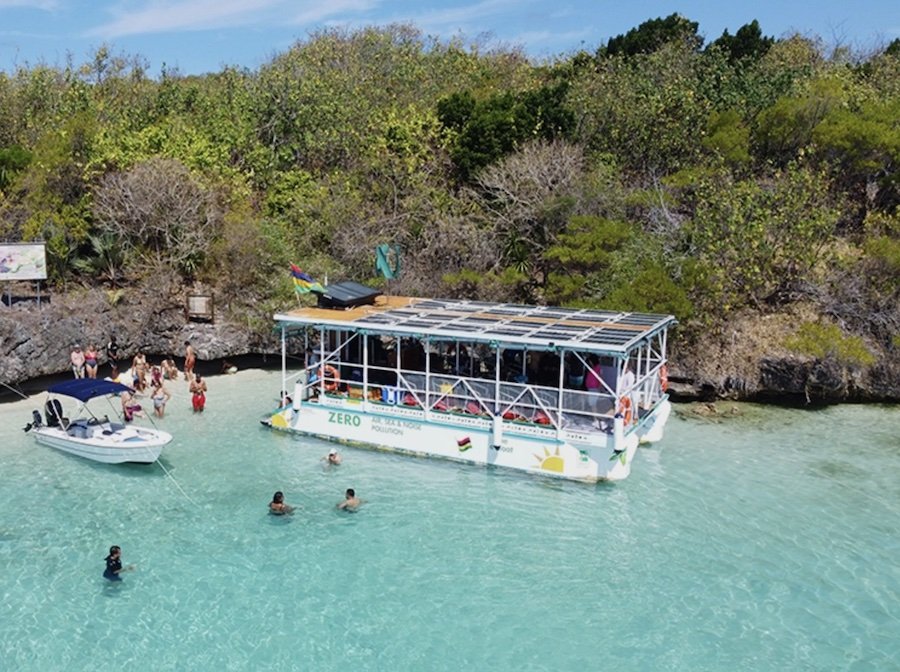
826	341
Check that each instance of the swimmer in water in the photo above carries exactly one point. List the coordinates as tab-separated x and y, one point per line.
333	458
114	565
277	506
351	501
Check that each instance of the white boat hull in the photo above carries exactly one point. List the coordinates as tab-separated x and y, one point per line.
576	454
128	444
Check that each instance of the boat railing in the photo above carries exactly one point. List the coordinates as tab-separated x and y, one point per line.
517	402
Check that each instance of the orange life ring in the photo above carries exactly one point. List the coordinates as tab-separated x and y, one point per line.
664	378
625	409
330	377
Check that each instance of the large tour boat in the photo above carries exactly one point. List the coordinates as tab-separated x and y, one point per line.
561	392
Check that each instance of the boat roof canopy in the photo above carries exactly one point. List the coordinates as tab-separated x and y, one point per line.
509	324
85	389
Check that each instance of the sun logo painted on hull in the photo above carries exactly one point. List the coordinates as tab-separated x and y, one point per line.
551	461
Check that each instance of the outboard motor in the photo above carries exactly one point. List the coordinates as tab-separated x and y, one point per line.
53	412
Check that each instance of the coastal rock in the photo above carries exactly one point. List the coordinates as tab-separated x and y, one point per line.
36	341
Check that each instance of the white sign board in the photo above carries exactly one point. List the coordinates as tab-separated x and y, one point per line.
23	261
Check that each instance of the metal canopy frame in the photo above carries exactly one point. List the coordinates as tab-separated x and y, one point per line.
534	327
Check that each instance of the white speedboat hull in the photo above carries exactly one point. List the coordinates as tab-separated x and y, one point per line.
110	444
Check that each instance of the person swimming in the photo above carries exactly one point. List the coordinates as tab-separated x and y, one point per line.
333	458
351	501
114	565
277	506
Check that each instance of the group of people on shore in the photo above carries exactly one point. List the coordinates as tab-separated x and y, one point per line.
143	376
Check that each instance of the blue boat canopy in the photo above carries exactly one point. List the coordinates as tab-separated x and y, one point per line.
84	389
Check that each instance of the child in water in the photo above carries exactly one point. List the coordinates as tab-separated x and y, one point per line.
114	565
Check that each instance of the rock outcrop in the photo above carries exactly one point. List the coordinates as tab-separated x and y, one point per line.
36	341
745	363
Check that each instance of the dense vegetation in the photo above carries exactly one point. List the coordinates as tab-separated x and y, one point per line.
658	173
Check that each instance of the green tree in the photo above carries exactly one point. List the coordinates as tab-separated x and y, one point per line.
490	129
653	34
754	241
747	43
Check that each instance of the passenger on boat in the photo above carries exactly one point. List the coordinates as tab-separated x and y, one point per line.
351	501
114	565
333	458
277	507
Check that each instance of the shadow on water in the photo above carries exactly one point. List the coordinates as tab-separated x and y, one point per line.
126	469
834	470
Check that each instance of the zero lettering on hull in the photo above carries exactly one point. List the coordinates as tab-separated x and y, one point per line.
336	418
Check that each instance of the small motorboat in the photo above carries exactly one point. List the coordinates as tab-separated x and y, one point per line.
84	434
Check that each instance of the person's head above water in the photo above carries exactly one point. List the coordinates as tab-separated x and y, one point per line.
278	496
113	550
351	493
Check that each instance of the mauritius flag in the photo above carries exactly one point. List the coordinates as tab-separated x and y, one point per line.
464	444
303	282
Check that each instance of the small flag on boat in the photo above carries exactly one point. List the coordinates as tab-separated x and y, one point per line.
464	444
303	282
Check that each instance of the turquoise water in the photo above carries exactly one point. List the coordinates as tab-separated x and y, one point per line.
767	541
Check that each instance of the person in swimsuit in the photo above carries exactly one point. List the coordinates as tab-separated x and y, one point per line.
160	396
90	361
114	565
169	370
198	394
277	507
351	501
130	407
190	358
112	351
333	458
77	359
139	371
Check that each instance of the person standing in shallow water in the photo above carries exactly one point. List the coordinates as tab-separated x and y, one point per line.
90	361
112	352
198	394
77	359
190	359
114	565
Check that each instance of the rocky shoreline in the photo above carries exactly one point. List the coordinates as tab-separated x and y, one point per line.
35	343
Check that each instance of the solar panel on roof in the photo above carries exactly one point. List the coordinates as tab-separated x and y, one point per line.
346	295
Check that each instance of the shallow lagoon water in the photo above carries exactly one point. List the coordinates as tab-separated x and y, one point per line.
763	541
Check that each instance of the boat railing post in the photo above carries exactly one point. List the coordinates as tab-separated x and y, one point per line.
283	361
427	402
559	409
365	372
497	420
